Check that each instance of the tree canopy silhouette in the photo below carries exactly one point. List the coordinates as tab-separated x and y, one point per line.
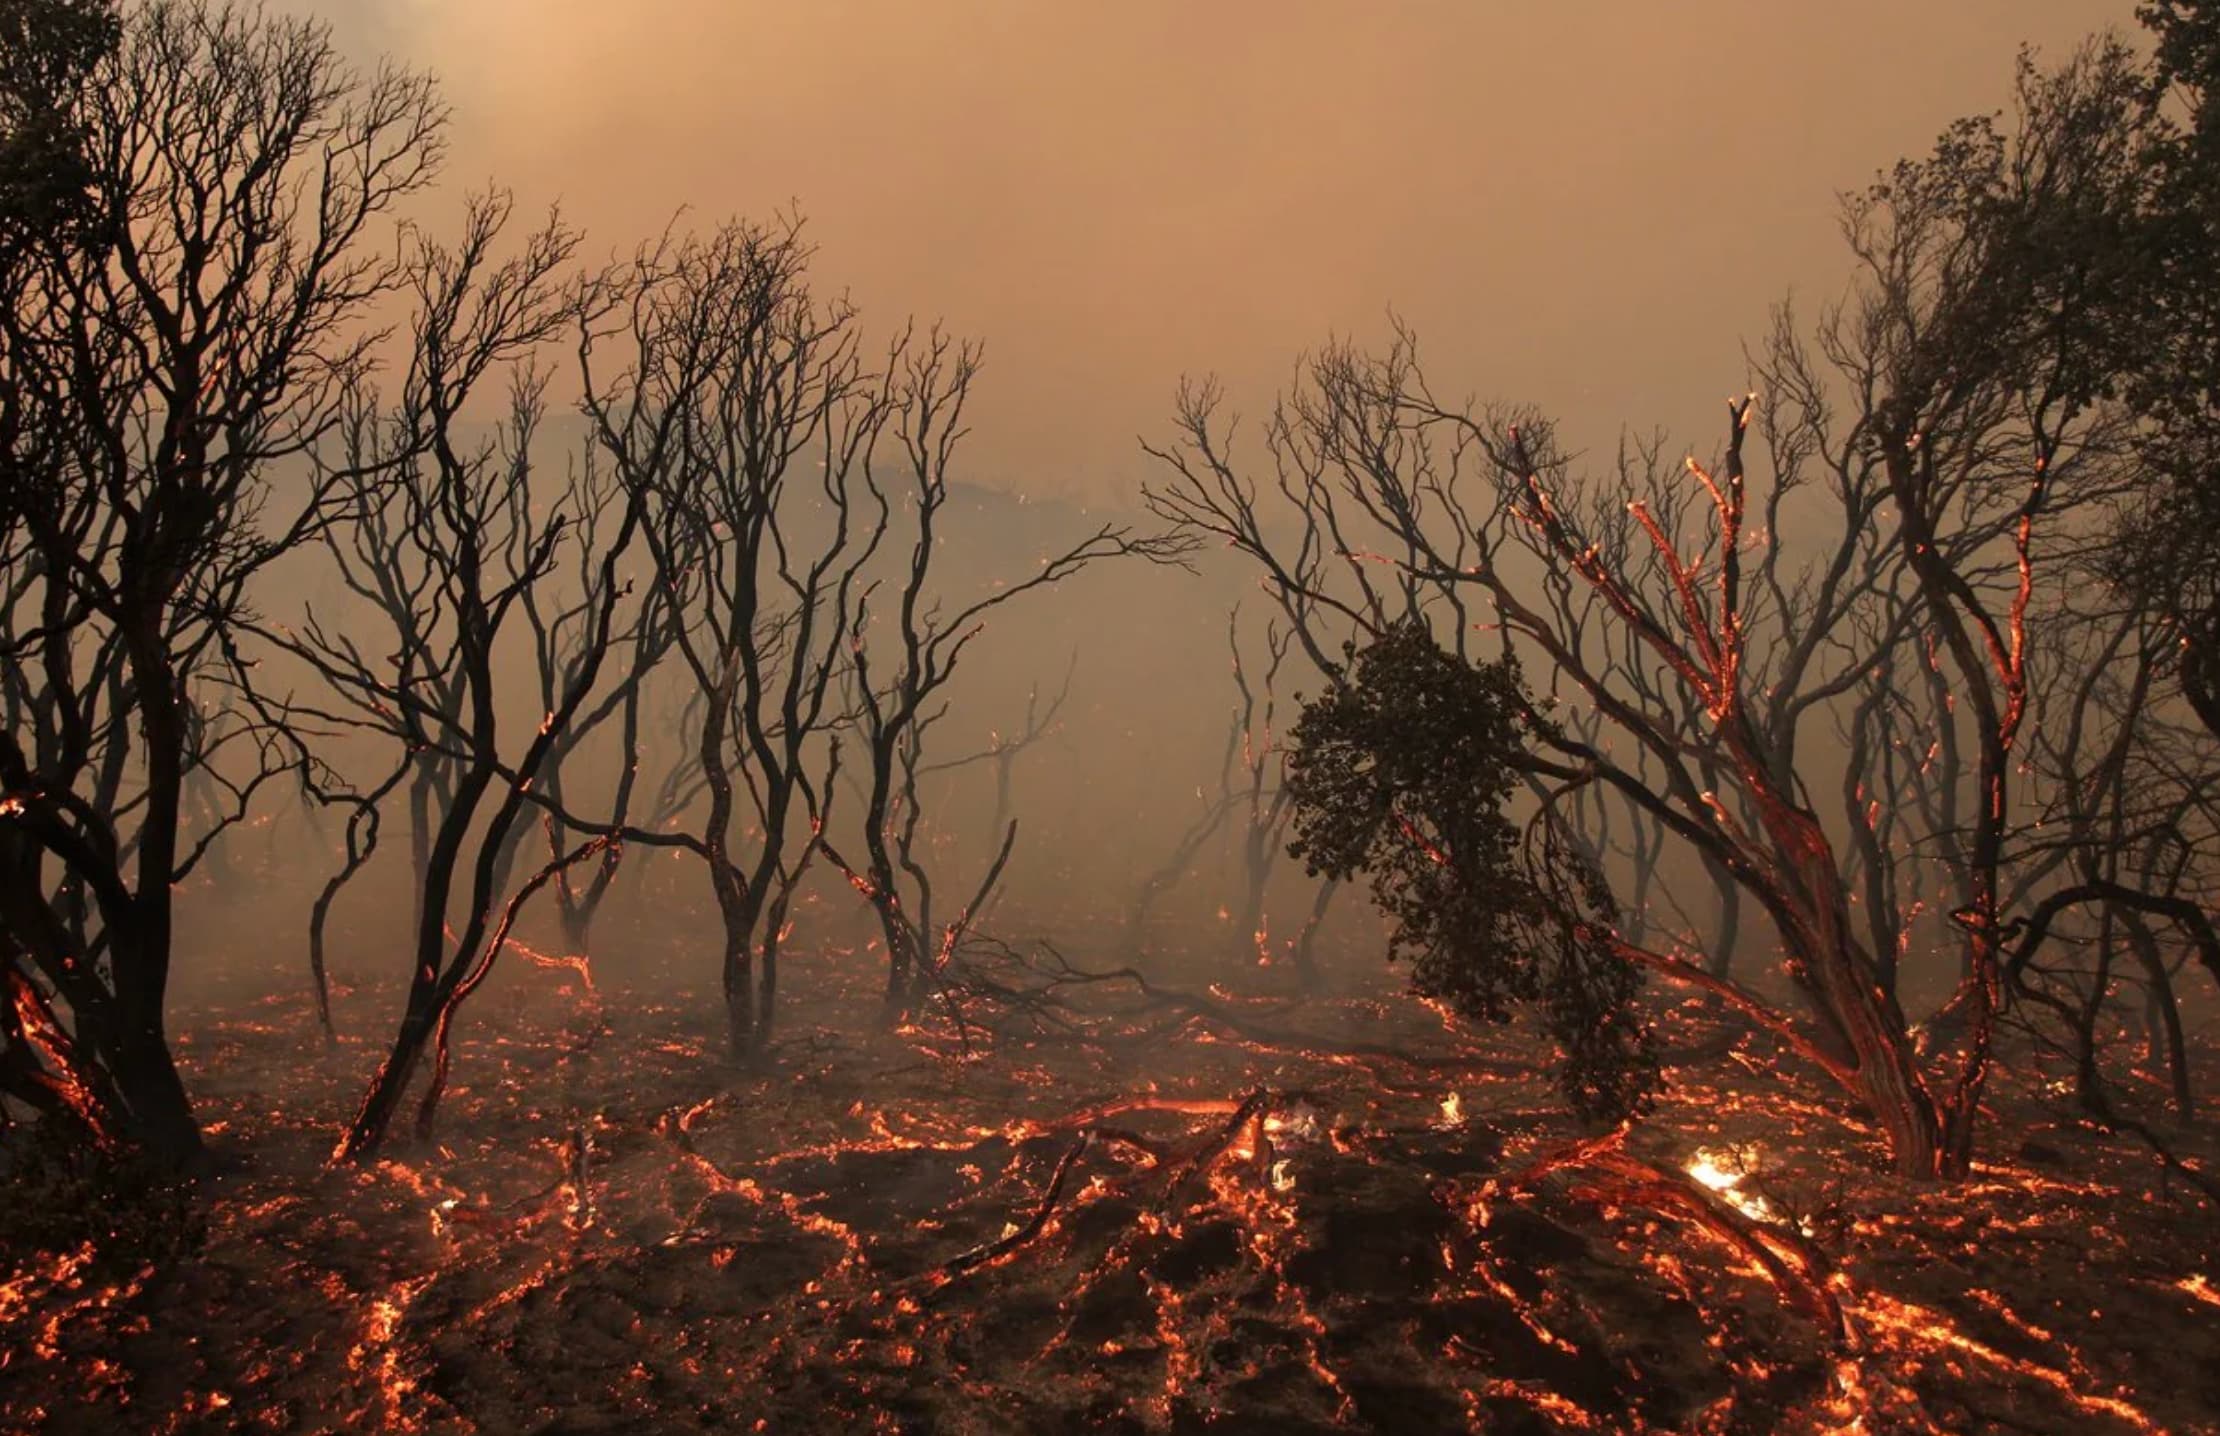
1404	770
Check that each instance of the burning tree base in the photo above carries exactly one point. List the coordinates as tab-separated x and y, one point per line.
1200	1233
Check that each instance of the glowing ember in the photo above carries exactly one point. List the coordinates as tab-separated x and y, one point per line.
1706	1169
1724	1171
1195	1245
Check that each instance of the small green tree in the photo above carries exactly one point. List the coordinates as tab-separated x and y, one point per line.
2162	348
47	50
1404	770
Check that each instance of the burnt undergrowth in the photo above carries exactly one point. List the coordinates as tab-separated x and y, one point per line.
1169	1211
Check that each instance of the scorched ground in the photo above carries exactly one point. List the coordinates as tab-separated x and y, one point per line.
1192	1213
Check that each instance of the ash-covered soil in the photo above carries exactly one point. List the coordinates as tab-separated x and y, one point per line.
1177	1224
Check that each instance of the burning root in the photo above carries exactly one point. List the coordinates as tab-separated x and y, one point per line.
1617	1177
1250	1114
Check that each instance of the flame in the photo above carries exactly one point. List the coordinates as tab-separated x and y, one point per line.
1705	1168
57	1055
1723	1171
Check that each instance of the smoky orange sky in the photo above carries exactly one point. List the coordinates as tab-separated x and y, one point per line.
1583	204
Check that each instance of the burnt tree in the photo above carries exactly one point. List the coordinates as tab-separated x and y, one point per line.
181	317
745	421
474	523
909	649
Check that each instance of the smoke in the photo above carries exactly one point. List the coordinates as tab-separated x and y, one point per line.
1583	206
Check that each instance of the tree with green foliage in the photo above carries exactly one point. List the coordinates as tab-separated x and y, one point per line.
1404	770
2163	349
48	49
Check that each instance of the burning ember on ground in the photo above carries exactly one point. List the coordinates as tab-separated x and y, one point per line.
1170	1223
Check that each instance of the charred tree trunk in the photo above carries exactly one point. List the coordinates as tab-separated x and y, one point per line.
427	991
2164	1010
734	906
144	1072
1305	952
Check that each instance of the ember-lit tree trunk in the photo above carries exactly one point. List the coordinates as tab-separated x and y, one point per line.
1264	802
1998	694
176	321
1795	876
1991	274
1696	633
475	534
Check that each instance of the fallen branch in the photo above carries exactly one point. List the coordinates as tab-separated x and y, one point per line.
1252	1108
991	1251
1796	1266
2111	1122
1044	1003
